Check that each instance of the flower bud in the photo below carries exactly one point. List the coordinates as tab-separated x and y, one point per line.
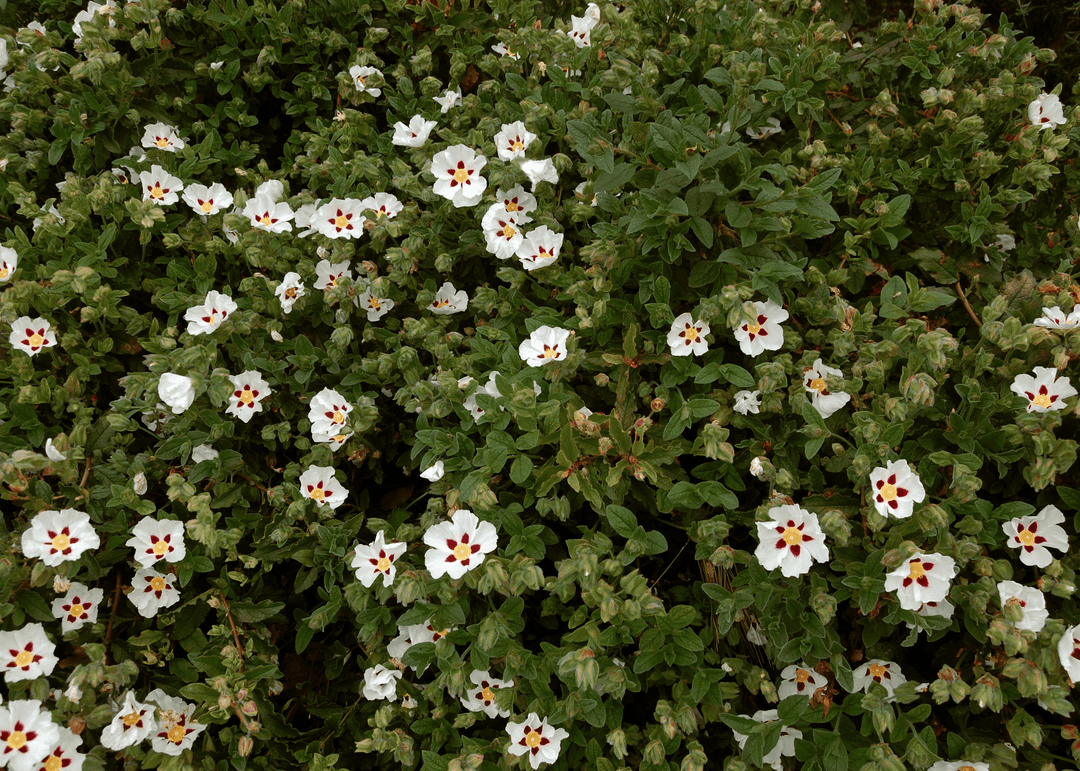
224	701
244	746
617	740
657	404
987	693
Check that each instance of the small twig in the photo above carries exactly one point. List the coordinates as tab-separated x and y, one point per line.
670	564
236	637
112	615
249	479
970	310
343	719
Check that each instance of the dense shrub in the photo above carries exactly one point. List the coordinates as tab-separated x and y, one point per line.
749	443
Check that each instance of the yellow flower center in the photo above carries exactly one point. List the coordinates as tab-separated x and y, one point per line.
24	659
338	417
1042	400
131	718
246	397
317	494
888	493
16	740
487	695
818	384
156	192
532	738
162	142
76	610
265	220
341	221
792	536
691	334
375	304
177	734
509	232
161	547
1026	537
290	292
54	763
517	146
206	206
157	583
754	328
512	207
801	675
61	541
340	438
382	565
877	670
461	175
440	303
36	340
462	551
3	273
916	570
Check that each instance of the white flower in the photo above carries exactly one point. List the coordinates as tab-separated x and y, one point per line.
540	171
217	65
1036	535
580	27
823	400
539	248
207	201
160	186
340	218
360	76
59	536
921	578
138	484
504	50
377	559
327	411
958	765
1045	391
157	540
896	489
385	205
1055	318
747	402
249	390
799	679
177	391
535	738
887	673
175	729
772	127
1031	601
290	290
91	11
517	203
27	735
78	606
449	300
791	540
512	140
31	335
152	591
231	234
1069	652
272	189
304	219
415	134
688	337
448	100
764	334
502	232
26	654
204	319
203	452
459	545
52	453
267	214
490	388
320	485
1005	242
381	683
545	345
376	307
457	175
327	274
785	748
756	468
434	473
64	754
163	137
9	260
132	723
481	698
1046	112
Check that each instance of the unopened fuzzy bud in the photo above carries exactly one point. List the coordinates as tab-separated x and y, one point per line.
244	746
249	708
224	701
617	740
657	404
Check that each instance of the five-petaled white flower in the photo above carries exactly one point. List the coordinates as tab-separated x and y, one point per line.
360	77
580	29
151	591
457	175
434	472
1055	318
207	201
535	738
502	232
320	485
160	186
204	319
328	411
799	679
132	723
785	747
249	389
459	545
384	205
765	332
688	336
1069	652
26	654
415	134
290	290
327	274
27	735
449	300
268	214
771	127
825	401
505	50
65	750
517	203
341	218
540	171
377	559
512	140
31	335
78	606
163	137
545	345
59	536
376	307
886	673
747	402
791	540
177	391
1031	601
1046	112
381	683
539	248
896	489
157	540
921	578
9	260
175	729
448	100
481	697
1036	535
1045	391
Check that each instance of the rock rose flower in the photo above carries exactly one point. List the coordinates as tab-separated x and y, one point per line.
328	411
163	137
377	559
360	77
320	485
784	748
9	260
160	186
27	735
1055	318
132	723
535	739
204	319
799	679
1045	391
540	171
290	290
59	536
747	402
1030	601
157	540
434	472
512	140
765	333
1046	112
517	203
824	401
268	214
459	545
415	134
249	390
78	606
31	335
151	591
896	489
177	391
545	345
341	218
381	683
26	654
921	578
376	307
457	175
383	205
1034	536
175	729
502	232
688	337
1069	652
65	750
791	540
539	248
886	673
207	201
481	697
448	100
327	274
449	300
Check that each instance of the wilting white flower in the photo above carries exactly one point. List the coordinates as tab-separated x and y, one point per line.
1047	112
747	402
177	391
824	401
381	683
433	473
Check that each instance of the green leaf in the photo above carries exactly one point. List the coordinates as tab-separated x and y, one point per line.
521	469
825	180
34	605
792	708
737	376
621	519
743	725
250	613
617	177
